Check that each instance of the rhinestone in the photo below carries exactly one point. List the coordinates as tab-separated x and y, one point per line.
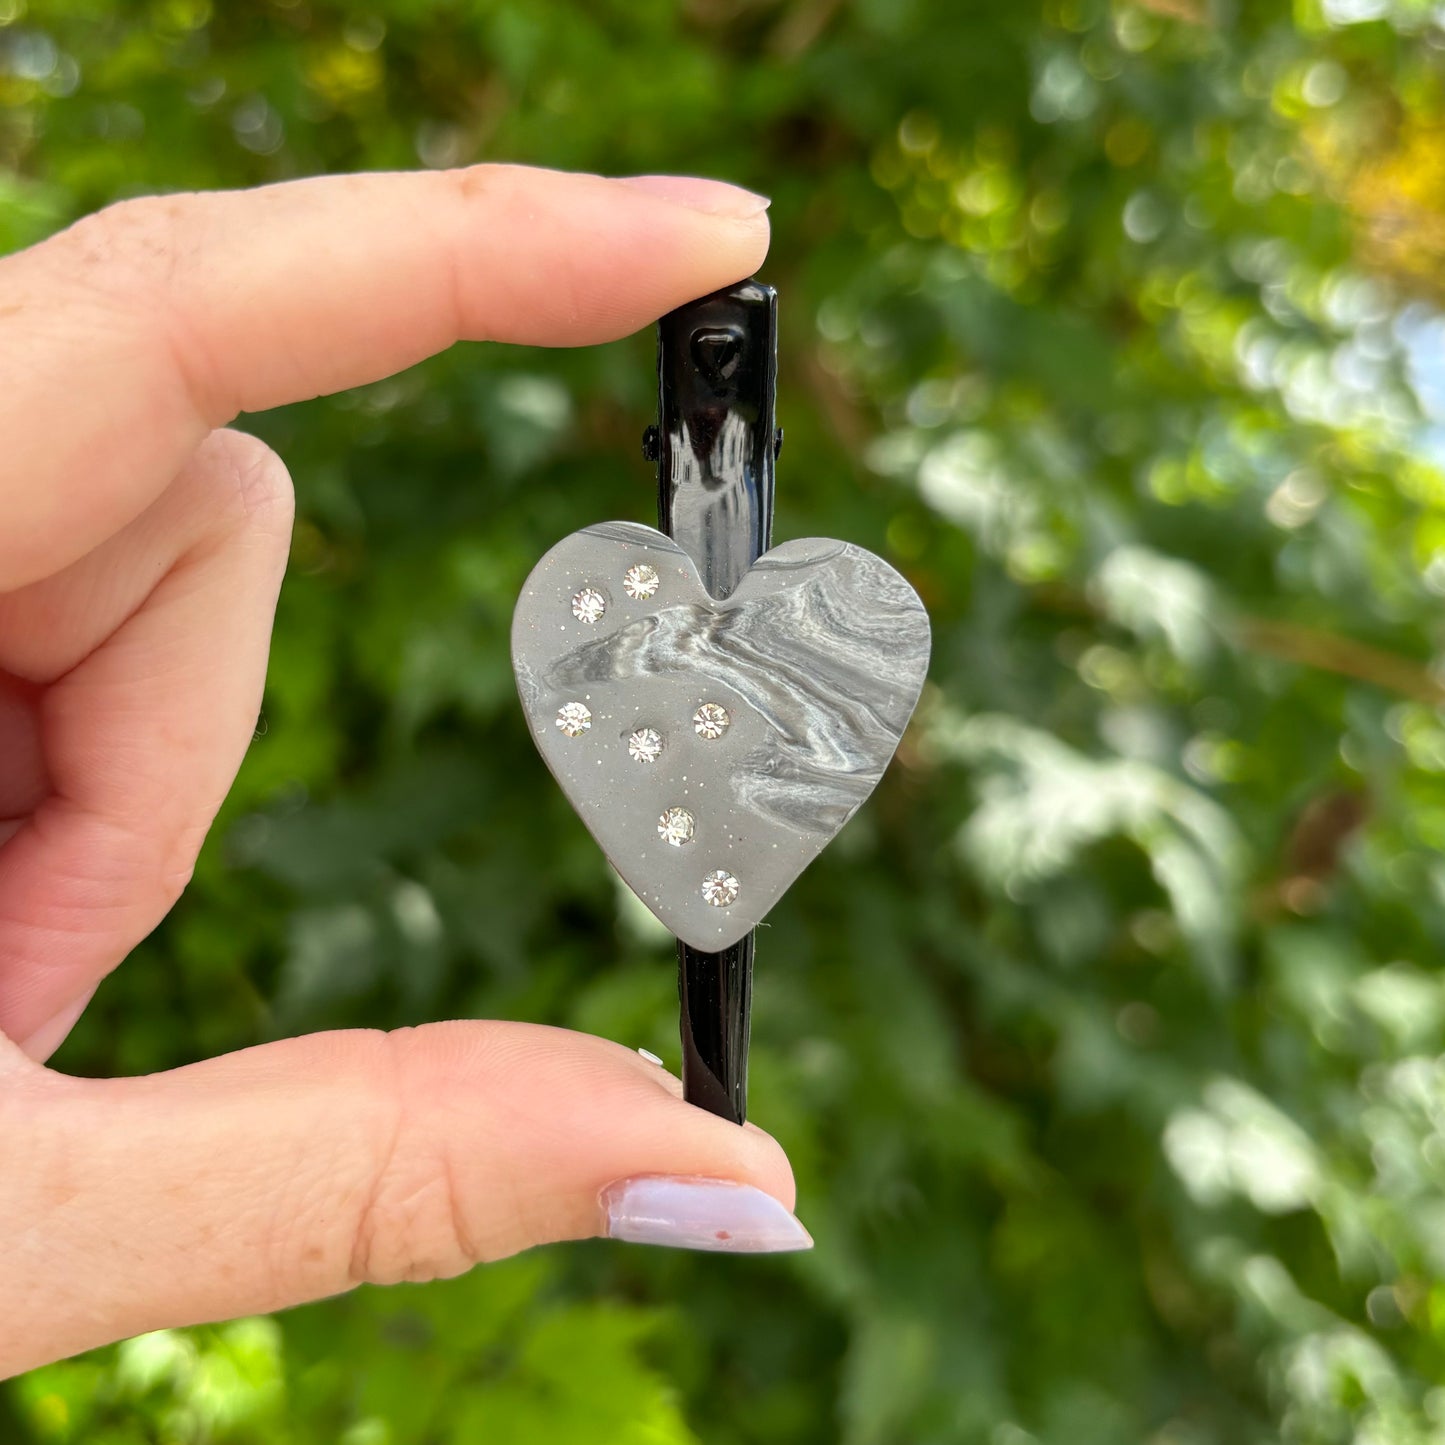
645	745
589	605
675	827
711	721
574	718
640	582
720	888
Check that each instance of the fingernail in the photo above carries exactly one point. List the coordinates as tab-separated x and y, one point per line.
715	198
692	1213
44	1041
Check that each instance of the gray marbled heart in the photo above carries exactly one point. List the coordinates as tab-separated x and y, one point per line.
813	665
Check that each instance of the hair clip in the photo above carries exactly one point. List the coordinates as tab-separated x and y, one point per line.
715	708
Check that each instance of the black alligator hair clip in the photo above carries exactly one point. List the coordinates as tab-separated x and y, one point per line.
715	708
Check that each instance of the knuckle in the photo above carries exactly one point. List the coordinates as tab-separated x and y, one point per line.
143	238
139	255
411	1224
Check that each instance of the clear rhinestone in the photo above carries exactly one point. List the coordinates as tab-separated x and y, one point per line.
574	718
675	827
720	888
640	582
711	721
645	745
589	605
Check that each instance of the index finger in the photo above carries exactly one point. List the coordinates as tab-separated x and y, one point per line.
127	338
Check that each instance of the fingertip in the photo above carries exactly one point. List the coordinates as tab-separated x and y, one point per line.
697	193
652	243
777	1177
43	1041
566	1115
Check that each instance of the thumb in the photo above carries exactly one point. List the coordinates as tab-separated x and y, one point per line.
283	1173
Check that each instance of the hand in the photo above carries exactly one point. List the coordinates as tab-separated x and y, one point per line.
141	550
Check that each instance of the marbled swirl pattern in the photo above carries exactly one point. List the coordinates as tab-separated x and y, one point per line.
819	656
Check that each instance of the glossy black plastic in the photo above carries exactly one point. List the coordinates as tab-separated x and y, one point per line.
715	445
717	382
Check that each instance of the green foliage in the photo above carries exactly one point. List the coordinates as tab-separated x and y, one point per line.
492	1358
1106	1041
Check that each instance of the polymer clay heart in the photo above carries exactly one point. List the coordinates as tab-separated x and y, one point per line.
714	748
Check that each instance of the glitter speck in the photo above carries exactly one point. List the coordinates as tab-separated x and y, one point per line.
720	888
711	721
645	745
675	827
588	605
573	718
640	582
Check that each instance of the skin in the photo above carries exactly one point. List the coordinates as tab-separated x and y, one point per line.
142	545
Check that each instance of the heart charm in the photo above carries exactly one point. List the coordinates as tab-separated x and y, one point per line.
714	748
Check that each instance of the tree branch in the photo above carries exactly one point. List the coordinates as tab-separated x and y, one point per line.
1331	653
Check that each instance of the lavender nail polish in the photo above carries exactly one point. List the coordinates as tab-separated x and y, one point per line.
697	1213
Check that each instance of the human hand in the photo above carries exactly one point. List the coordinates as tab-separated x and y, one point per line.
141	550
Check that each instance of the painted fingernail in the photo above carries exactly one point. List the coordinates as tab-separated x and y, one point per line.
694	1213
715	198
